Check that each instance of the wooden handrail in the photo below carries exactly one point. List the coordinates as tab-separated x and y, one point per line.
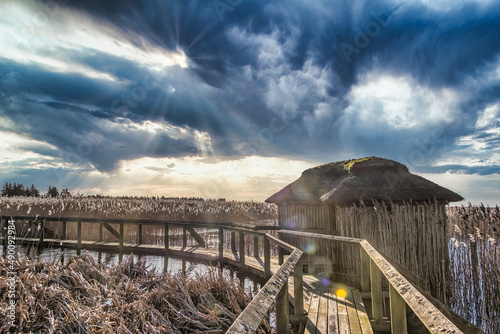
401	290
251	317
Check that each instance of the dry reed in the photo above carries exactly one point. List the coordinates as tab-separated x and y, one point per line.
84	296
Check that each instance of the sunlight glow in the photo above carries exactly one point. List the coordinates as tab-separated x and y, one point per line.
58	45
401	102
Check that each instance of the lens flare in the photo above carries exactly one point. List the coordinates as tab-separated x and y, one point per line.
341	293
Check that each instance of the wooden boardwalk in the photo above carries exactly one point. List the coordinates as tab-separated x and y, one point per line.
334	308
321	306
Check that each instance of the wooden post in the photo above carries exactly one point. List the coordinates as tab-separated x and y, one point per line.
282	315
101	232
122	234
398	312
165	238
310	264
5	229
365	270
267	258
41	233
184	236
233	241
376	289
281	255
242	249
139	234
256	246
64	230
78	237
221	243
298	289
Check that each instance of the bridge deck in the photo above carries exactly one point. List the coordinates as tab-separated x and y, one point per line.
333	308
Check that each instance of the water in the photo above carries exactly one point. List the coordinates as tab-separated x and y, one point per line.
251	283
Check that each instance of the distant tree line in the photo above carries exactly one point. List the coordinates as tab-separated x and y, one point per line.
18	189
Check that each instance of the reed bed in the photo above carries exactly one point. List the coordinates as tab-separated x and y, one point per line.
84	296
475	264
138	208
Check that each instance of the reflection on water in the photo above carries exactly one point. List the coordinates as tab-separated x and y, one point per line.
251	283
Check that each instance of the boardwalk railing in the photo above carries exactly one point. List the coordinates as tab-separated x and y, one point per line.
401	291
373	266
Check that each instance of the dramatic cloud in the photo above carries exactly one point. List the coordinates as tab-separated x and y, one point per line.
89	88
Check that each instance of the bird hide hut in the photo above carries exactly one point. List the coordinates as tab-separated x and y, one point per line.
401	214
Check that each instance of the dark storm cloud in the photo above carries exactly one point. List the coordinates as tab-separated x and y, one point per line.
228	92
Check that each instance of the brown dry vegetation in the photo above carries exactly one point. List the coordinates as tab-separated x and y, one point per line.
138	208
84	296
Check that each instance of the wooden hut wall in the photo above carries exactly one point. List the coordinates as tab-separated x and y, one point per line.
307	217
413	235
313	217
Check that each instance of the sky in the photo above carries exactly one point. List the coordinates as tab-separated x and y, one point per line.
235	98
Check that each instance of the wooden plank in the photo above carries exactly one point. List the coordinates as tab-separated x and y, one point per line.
196	236
364	320
342	315
312	318
352	313
332	313
322	323
398	312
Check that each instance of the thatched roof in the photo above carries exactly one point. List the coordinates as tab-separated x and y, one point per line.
347	182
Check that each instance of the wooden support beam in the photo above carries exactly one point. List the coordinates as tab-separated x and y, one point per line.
78	237
281	255
282	311
298	289
256	246
267	258
221	243
165	237
376	289
184	236
365	270
101	232
112	230
233	241
242	249
196	236
122	236
139	234
398	312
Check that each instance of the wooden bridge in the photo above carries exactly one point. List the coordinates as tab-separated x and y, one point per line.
305	301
